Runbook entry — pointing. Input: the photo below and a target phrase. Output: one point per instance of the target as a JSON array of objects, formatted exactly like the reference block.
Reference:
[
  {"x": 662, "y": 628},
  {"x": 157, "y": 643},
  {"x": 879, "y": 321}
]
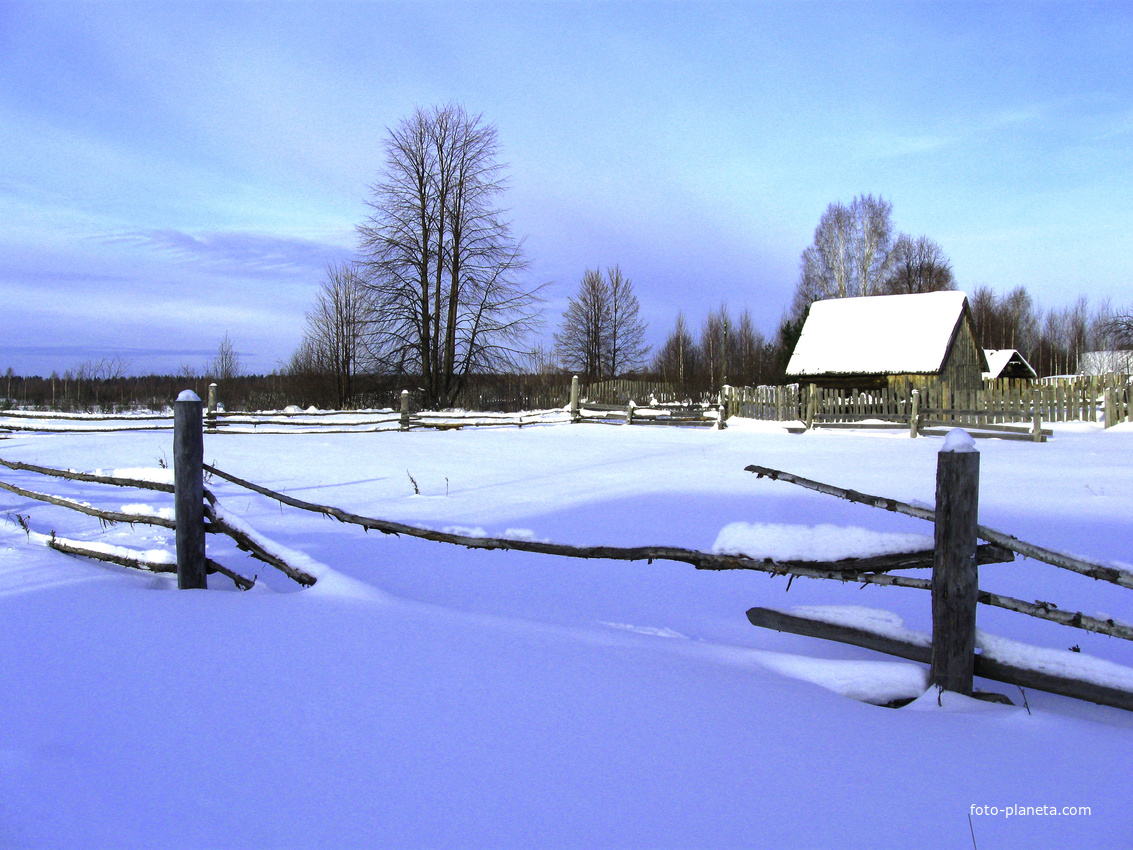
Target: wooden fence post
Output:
[
  {"x": 189, "y": 496},
  {"x": 914, "y": 413},
  {"x": 405, "y": 410},
  {"x": 212, "y": 407},
  {"x": 811, "y": 390},
  {"x": 629, "y": 412},
  {"x": 955, "y": 575},
  {"x": 1036, "y": 416},
  {"x": 575, "y": 415}
]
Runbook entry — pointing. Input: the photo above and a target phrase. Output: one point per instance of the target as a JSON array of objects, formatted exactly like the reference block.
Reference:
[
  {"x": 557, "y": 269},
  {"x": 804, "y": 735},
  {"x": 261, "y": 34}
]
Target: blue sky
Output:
[{"x": 175, "y": 172}]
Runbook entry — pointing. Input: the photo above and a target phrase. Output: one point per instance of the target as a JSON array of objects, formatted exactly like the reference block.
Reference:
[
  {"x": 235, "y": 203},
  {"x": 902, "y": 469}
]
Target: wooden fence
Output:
[
  {"x": 953, "y": 558},
  {"x": 1107, "y": 398}
]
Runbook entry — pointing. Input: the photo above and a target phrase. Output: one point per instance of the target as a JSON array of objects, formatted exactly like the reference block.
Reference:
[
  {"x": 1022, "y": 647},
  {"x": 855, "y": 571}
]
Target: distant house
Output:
[
  {"x": 1006, "y": 363},
  {"x": 1105, "y": 363},
  {"x": 889, "y": 341}
]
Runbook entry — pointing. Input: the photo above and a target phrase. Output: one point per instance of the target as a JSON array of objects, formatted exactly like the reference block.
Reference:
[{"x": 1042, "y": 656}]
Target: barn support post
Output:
[
  {"x": 405, "y": 410},
  {"x": 914, "y": 412},
  {"x": 955, "y": 574},
  {"x": 188, "y": 494},
  {"x": 575, "y": 415}
]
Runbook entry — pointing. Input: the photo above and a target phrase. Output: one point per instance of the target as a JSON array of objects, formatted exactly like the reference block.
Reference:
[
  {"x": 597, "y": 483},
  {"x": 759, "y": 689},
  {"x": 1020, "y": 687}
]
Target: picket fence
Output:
[{"x": 1107, "y": 398}]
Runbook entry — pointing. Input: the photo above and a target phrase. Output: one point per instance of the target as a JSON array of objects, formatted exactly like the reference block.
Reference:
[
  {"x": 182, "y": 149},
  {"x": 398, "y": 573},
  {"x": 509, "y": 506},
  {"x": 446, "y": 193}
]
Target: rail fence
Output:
[{"x": 950, "y": 650}]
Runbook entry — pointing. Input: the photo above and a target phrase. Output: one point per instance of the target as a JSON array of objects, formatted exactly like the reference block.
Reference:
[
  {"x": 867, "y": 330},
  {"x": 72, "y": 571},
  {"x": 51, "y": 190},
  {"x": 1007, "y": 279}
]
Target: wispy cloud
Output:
[{"x": 246, "y": 254}]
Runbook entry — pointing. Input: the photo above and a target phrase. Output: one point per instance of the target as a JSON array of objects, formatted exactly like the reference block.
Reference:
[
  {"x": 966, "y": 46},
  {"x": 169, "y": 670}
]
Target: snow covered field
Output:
[{"x": 423, "y": 695}]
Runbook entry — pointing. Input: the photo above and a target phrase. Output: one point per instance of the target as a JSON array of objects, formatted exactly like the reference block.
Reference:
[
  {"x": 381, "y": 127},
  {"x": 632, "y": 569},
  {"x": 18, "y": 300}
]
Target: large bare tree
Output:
[{"x": 443, "y": 270}]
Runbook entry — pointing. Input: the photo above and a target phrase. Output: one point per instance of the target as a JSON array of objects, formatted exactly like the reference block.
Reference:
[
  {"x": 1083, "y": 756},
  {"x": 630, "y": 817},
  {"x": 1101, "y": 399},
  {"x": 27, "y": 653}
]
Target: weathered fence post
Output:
[
  {"x": 955, "y": 575},
  {"x": 405, "y": 410},
  {"x": 211, "y": 417},
  {"x": 810, "y": 399},
  {"x": 629, "y": 412},
  {"x": 914, "y": 413},
  {"x": 575, "y": 415},
  {"x": 1036, "y": 418},
  {"x": 189, "y": 497}
]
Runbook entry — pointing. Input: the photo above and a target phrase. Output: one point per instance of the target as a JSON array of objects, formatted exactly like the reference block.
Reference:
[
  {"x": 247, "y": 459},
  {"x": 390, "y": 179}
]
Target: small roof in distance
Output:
[
  {"x": 998, "y": 358},
  {"x": 878, "y": 335}
]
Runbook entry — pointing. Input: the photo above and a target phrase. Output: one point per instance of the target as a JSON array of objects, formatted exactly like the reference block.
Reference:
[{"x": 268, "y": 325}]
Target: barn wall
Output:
[{"x": 962, "y": 367}]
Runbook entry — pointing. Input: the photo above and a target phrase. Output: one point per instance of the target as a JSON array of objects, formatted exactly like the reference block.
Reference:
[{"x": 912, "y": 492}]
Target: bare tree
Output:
[
  {"x": 715, "y": 348},
  {"x": 583, "y": 341},
  {"x": 226, "y": 365},
  {"x": 678, "y": 359},
  {"x": 1119, "y": 329},
  {"x": 748, "y": 353},
  {"x": 626, "y": 349},
  {"x": 873, "y": 241},
  {"x": 439, "y": 260},
  {"x": 334, "y": 342},
  {"x": 918, "y": 265},
  {"x": 851, "y": 253}
]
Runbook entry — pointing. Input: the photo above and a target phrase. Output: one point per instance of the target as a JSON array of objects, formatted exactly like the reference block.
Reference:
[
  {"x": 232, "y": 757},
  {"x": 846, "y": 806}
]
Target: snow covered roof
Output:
[
  {"x": 998, "y": 358},
  {"x": 881, "y": 334}
]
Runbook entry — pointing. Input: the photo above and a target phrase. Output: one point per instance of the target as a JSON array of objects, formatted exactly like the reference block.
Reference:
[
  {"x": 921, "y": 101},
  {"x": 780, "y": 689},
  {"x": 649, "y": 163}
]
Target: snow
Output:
[
  {"x": 423, "y": 695},
  {"x": 822, "y": 542},
  {"x": 188, "y": 395},
  {"x": 958, "y": 440},
  {"x": 879, "y": 334}
]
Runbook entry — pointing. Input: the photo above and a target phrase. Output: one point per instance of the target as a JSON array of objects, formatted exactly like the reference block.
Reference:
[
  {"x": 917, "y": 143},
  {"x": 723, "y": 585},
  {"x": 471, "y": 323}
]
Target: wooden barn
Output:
[{"x": 896, "y": 341}]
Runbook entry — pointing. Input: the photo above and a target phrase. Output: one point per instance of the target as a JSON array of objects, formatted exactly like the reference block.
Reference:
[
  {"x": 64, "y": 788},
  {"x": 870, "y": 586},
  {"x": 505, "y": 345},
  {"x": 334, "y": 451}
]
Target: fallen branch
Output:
[
  {"x": 32, "y": 428},
  {"x": 88, "y": 476},
  {"x": 1048, "y": 556},
  {"x": 91, "y": 417},
  {"x": 985, "y": 667},
  {"x": 247, "y": 543},
  {"x": 105, "y": 516},
  {"x": 71, "y": 548},
  {"x": 849, "y": 569},
  {"x": 1047, "y": 611}
]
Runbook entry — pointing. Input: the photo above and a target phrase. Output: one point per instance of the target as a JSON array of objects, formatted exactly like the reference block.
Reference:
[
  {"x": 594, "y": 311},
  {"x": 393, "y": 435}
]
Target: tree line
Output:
[{"x": 438, "y": 299}]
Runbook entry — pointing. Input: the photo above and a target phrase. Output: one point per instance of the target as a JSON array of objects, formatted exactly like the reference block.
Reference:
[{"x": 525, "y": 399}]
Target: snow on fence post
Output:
[
  {"x": 405, "y": 410},
  {"x": 629, "y": 412},
  {"x": 188, "y": 495},
  {"x": 914, "y": 413},
  {"x": 575, "y": 416},
  {"x": 212, "y": 407},
  {"x": 955, "y": 574}
]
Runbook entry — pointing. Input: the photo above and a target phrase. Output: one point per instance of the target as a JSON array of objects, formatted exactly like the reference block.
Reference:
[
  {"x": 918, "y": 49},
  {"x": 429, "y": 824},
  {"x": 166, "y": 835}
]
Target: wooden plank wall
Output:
[{"x": 1068, "y": 399}]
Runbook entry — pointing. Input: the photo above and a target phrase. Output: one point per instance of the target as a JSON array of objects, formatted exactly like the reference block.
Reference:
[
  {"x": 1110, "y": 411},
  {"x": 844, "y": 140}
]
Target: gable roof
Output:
[
  {"x": 999, "y": 358},
  {"x": 879, "y": 334}
]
